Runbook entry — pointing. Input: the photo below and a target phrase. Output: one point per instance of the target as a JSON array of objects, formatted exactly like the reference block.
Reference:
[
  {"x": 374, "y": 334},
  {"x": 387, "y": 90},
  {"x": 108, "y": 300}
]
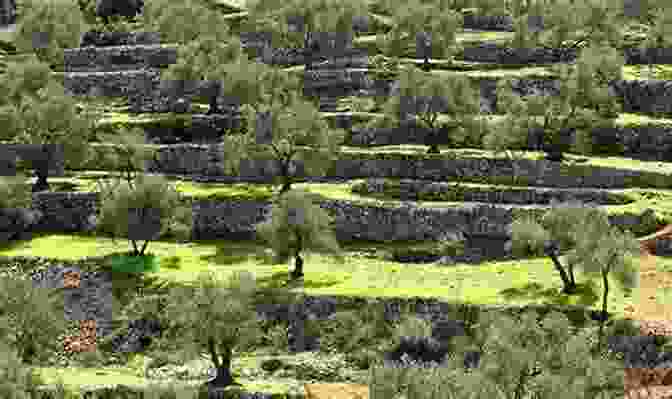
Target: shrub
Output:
[{"x": 47, "y": 28}]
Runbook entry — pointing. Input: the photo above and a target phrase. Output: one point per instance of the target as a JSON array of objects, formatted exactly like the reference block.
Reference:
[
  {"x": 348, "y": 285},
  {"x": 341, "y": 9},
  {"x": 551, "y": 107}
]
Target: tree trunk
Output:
[
  {"x": 286, "y": 186},
  {"x": 298, "y": 261},
  {"x": 41, "y": 184},
  {"x": 569, "y": 287},
  {"x": 284, "y": 170},
  {"x": 223, "y": 377},
  {"x": 214, "y": 108},
  {"x": 425, "y": 65}
]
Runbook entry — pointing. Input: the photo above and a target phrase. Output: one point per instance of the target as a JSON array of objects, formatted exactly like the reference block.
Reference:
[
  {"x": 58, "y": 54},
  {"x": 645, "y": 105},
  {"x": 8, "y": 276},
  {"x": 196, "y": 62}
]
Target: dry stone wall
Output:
[
  {"x": 493, "y": 52},
  {"x": 102, "y": 39},
  {"x": 205, "y": 160},
  {"x": 126, "y": 57},
  {"x": 235, "y": 219},
  {"x": 411, "y": 190}
]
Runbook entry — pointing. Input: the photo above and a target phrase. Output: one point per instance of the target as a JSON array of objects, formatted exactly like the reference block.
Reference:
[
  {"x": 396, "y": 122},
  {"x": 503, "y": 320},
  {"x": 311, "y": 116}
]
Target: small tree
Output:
[
  {"x": 296, "y": 225},
  {"x": 145, "y": 210},
  {"x": 547, "y": 122},
  {"x": 213, "y": 316},
  {"x": 425, "y": 97},
  {"x": 568, "y": 24},
  {"x": 168, "y": 18},
  {"x": 520, "y": 357},
  {"x": 310, "y": 17},
  {"x": 432, "y": 29},
  {"x": 43, "y": 115},
  {"x": 281, "y": 134},
  {"x": 603, "y": 250},
  {"x": 200, "y": 59},
  {"x": 33, "y": 333},
  {"x": 130, "y": 153},
  {"x": 47, "y": 28},
  {"x": 552, "y": 236}
]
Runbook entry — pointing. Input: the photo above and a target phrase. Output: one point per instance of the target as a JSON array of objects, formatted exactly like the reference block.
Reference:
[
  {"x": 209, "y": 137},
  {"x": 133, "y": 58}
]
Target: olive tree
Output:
[
  {"x": 46, "y": 28},
  {"x": 143, "y": 211},
  {"x": 41, "y": 116},
  {"x": 35, "y": 333},
  {"x": 558, "y": 234},
  {"x": 211, "y": 316},
  {"x": 548, "y": 122},
  {"x": 203, "y": 59},
  {"x": 432, "y": 29},
  {"x": 297, "y": 224},
  {"x": 308, "y": 17},
  {"x": 426, "y": 97},
  {"x": 521, "y": 357},
  {"x": 285, "y": 134}
]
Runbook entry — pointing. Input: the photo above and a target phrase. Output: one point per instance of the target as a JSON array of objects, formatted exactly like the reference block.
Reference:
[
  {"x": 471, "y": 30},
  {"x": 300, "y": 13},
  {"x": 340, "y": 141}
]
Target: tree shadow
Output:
[
  {"x": 232, "y": 253},
  {"x": 586, "y": 294},
  {"x": 282, "y": 280}
]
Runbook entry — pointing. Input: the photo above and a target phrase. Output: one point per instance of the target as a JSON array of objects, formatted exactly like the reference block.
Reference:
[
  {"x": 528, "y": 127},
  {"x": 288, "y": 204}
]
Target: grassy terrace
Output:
[{"x": 367, "y": 270}]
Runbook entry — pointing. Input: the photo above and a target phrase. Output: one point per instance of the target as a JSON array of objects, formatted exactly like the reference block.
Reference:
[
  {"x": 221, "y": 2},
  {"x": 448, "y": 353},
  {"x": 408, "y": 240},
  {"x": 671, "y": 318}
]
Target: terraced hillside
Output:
[{"x": 393, "y": 221}]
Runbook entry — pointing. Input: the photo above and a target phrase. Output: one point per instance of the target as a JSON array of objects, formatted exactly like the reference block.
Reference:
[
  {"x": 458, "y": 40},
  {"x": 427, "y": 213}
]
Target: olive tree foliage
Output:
[
  {"x": 296, "y": 225},
  {"x": 566, "y": 23},
  {"x": 180, "y": 22},
  {"x": 307, "y": 17},
  {"x": 425, "y": 97},
  {"x": 127, "y": 152},
  {"x": 427, "y": 28},
  {"x": 35, "y": 333},
  {"x": 143, "y": 211},
  {"x": 212, "y": 316},
  {"x": 40, "y": 112},
  {"x": 17, "y": 380},
  {"x": 547, "y": 122},
  {"x": 292, "y": 135},
  {"x": 257, "y": 85},
  {"x": 586, "y": 240},
  {"x": 203, "y": 59},
  {"x": 47, "y": 27},
  {"x": 522, "y": 357}
]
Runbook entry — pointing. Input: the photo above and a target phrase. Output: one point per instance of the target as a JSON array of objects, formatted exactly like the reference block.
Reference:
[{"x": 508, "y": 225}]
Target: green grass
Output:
[{"x": 485, "y": 284}]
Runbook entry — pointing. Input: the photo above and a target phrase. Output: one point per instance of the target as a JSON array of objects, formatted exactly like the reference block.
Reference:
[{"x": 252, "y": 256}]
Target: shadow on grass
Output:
[
  {"x": 281, "y": 280},
  {"x": 586, "y": 294},
  {"x": 231, "y": 253}
]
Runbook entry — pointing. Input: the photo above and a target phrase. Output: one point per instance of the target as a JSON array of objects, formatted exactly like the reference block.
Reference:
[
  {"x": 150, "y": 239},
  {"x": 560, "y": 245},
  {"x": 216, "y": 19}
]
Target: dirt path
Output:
[{"x": 655, "y": 319}]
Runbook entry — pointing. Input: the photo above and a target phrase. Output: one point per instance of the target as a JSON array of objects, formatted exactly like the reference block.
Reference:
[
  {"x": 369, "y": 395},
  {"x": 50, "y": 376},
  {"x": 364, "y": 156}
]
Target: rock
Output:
[
  {"x": 445, "y": 329},
  {"x": 139, "y": 336},
  {"x": 181, "y": 106},
  {"x": 417, "y": 349},
  {"x": 125, "y": 8}
]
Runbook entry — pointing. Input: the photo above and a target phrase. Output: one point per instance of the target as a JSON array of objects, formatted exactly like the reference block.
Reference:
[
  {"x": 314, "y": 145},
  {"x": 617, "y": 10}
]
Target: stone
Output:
[
  {"x": 445, "y": 329},
  {"x": 181, "y": 106},
  {"x": 17, "y": 223},
  {"x": 417, "y": 349},
  {"x": 7, "y": 12},
  {"x": 139, "y": 336},
  {"x": 125, "y": 8}
]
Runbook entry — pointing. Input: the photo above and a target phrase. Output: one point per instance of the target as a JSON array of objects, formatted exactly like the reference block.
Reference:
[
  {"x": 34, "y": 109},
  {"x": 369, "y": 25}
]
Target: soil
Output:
[{"x": 654, "y": 318}]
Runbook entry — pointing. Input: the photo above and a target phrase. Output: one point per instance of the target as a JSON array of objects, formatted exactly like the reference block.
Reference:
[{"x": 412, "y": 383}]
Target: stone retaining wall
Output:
[
  {"x": 205, "y": 160},
  {"x": 496, "y": 53},
  {"x": 134, "y": 57},
  {"x": 72, "y": 212},
  {"x": 411, "y": 190},
  {"x": 143, "y": 89}
]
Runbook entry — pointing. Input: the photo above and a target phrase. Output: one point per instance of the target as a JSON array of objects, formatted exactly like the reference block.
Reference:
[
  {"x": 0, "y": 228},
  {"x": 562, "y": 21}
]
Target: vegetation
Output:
[{"x": 522, "y": 357}]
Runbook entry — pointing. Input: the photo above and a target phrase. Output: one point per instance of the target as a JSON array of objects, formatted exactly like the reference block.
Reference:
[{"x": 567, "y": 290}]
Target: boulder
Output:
[{"x": 125, "y": 8}]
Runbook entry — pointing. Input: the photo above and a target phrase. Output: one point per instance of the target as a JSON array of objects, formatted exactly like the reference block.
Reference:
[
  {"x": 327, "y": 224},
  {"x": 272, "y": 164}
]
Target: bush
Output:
[{"x": 48, "y": 28}]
